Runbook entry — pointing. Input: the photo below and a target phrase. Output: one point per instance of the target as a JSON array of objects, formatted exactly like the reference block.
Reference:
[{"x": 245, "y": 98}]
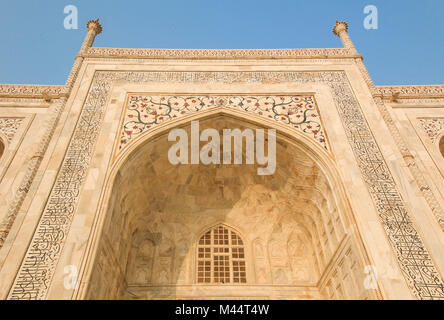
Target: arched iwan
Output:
[{"x": 299, "y": 238}]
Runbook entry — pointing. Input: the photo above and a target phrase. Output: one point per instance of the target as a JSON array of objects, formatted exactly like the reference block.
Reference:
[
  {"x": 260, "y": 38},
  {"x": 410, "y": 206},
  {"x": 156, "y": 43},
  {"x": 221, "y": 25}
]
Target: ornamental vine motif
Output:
[
  {"x": 144, "y": 112},
  {"x": 9, "y": 126},
  {"x": 432, "y": 127},
  {"x": 38, "y": 266}
]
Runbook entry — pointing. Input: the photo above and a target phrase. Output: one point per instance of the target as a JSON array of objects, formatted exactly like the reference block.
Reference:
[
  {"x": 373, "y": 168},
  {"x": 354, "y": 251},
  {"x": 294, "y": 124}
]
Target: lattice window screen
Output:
[{"x": 221, "y": 257}]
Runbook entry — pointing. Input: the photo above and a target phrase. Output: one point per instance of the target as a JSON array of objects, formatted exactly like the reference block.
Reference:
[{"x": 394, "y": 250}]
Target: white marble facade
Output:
[{"x": 91, "y": 208}]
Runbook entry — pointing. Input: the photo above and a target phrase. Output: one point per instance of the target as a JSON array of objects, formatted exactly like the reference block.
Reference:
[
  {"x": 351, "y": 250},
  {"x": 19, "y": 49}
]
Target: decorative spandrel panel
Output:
[
  {"x": 433, "y": 127},
  {"x": 144, "y": 112},
  {"x": 9, "y": 127}
]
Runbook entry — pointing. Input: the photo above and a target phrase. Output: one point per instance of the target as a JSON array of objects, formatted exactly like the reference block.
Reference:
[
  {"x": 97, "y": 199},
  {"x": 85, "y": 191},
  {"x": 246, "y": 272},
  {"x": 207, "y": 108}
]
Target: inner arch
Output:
[{"x": 294, "y": 234}]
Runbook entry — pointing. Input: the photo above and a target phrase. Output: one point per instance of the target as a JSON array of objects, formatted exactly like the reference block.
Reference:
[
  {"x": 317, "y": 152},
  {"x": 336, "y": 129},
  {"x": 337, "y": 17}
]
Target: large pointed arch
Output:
[{"x": 286, "y": 137}]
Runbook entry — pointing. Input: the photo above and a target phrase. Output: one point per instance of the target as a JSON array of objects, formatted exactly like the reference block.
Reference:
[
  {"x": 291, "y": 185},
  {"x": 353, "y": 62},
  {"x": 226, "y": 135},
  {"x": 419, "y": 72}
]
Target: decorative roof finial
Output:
[
  {"x": 339, "y": 27},
  {"x": 94, "y": 24},
  {"x": 341, "y": 30}
]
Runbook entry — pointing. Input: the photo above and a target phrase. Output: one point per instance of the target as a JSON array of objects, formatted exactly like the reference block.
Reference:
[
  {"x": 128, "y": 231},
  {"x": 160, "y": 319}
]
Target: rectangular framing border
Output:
[{"x": 38, "y": 267}]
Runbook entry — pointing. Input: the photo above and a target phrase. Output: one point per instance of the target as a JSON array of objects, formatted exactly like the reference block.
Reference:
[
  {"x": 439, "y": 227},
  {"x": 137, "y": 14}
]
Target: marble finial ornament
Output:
[
  {"x": 341, "y": 30},
  {"x": 339, "y": 27},
  {"x": 94, "y": 24}
]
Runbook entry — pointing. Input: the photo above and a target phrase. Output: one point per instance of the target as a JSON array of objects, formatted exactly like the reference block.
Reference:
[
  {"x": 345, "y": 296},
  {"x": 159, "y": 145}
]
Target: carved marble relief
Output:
[
  {"x": 140, "y": 270},
  {"x": 261, "y": 265},
  {"x": 9, "y": 127},
  {"x": 433, "y": 127},
  {"x": 210, "y": 53}
]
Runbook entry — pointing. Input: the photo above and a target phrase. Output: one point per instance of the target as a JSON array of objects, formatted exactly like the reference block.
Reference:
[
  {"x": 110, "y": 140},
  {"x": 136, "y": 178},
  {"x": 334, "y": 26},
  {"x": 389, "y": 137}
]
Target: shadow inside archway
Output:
[{"x": 288, "y": 222}]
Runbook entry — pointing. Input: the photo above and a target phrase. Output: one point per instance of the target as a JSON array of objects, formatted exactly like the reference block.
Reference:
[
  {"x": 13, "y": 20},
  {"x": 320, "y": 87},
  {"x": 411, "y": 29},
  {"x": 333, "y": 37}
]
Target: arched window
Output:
[{"x": 221, "y": 257}]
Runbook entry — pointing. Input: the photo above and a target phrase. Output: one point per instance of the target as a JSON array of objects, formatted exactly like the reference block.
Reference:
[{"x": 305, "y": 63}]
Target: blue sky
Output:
[{"x": 407, "y": 48}]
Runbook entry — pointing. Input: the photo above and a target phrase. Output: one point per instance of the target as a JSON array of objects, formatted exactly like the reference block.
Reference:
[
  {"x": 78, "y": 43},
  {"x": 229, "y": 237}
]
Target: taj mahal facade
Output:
[{"x": 91, "y": 207}]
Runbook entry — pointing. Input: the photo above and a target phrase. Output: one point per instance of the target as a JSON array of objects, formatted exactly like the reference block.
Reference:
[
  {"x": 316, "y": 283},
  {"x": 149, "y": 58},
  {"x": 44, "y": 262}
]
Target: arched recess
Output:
[
  {"x": 441, "y": 145},
  {"x": 2, "y": 148},
  {"x": 300, "y": 238}
]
